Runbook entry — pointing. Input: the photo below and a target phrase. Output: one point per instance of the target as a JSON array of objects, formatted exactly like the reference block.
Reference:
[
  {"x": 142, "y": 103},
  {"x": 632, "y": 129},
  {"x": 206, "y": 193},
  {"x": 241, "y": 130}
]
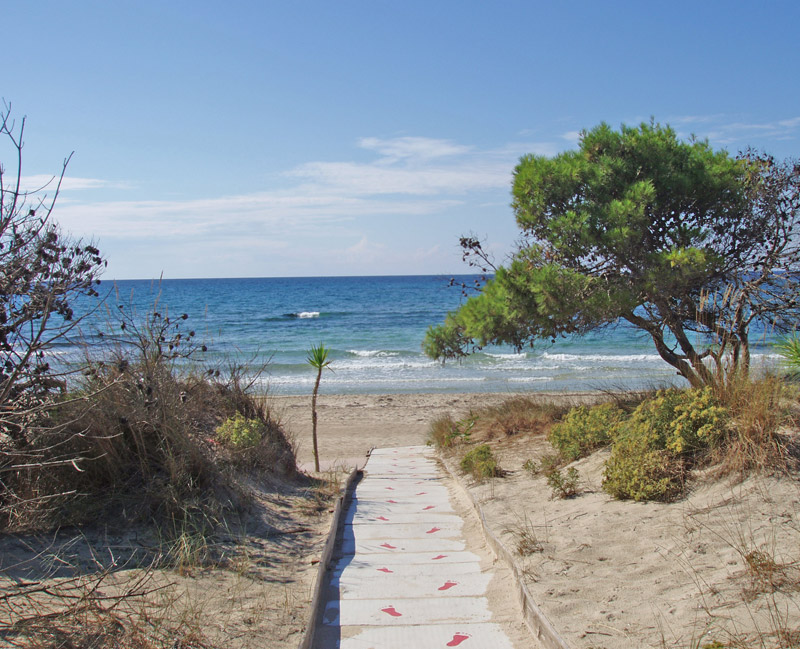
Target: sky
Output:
[{"x": 281, "y": 138}]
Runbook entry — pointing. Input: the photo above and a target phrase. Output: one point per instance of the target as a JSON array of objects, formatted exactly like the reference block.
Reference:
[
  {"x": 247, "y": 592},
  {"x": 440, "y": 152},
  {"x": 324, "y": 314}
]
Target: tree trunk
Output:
[{"x": 314, "y": 420}]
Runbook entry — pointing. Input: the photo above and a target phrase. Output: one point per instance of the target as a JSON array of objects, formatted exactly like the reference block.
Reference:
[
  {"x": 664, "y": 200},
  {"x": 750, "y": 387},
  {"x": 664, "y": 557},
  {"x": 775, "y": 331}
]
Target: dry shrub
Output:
[
  {"x": 516, "y": 415},
  {"x": 445, "y": 432},
  {"x": 760, "y": 412},
  {"x": 137, "y": 438},
  {"x": 105, "y": 610}
]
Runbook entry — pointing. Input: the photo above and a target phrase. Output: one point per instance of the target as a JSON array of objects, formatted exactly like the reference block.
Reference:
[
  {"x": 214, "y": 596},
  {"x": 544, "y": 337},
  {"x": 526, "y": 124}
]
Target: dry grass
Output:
[
  {"x": 762, "y": 415},
  {"x": 137, "y": 442},
  {"x": 517, "y": 415},
  {"x": 526, "y": 537},
  {"x": 764, "y": 580},
  {"x": 105, "y": 609}
]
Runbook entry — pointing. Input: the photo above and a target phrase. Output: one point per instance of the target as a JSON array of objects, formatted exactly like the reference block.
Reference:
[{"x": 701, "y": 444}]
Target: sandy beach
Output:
[
  {"x": 721, "y": 565},
  {"x": 608, "y": 574},
  {"x": 350, "y": 425}
]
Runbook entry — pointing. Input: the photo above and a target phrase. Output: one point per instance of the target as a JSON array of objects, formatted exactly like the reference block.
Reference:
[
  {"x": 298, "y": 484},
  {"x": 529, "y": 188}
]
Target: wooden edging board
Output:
[
  {"x": 325, "y": 559},
  {"x": 535, "y": 618}
]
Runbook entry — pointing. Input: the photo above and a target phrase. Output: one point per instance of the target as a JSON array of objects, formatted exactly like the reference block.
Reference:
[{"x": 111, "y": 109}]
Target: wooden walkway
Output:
[{"x": 402, "y": 578}]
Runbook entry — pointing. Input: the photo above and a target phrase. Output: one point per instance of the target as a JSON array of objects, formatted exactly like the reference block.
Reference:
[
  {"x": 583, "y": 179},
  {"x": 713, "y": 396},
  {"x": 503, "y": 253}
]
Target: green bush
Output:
[
  {"x": 480, "y": 462},
  {"x": 564, "y": 485},
  {"x": 584, "y": 429},
  {"x": 640, "y": 468},
  {"x": 241, "y": 432},
  {"x": 698, "y": 422}
]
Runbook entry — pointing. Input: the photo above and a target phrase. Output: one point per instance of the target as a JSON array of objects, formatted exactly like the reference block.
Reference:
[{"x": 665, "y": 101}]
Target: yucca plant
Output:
[
  {"x": 318, "y": 359},
  {"x": 789, "y": 349}
]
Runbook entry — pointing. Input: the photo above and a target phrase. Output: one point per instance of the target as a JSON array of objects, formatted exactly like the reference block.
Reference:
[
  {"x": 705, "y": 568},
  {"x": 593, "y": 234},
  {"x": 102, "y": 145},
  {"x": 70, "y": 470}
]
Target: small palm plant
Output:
[
  {"x": 318, "y": 359},
  {"x": 789, "y": 349}
]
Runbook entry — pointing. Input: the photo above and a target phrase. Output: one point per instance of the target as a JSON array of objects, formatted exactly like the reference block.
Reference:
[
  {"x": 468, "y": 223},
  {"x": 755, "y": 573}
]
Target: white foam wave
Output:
[
  {"x": 604, "y": 358},
  {"x": 372, "y": 353},
  {"x": 308, "y": 314},
  {"x": 508, "y": 357}
]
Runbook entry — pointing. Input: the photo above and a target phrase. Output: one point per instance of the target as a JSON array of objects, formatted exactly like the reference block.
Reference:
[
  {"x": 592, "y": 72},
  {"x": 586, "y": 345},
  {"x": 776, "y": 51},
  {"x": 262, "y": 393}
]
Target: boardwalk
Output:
[{"x": 403, "y": 577}]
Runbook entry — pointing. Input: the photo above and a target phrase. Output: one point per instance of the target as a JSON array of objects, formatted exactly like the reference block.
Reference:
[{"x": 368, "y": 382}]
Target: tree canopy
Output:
[{"x": 691, "y": 245}]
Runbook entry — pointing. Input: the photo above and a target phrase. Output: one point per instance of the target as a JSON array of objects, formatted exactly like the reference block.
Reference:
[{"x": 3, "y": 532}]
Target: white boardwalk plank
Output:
[
  {"x": 399, "y": 611},
  {"x": 412, "y": 558},
  {"x": 450, "y": 529},
  {"x": 381, "y": 584}
]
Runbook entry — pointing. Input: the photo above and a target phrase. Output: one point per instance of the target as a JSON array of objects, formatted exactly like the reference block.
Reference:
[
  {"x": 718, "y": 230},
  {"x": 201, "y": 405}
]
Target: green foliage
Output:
[
  {"x": 671, "y": 236},
  {"x": 480, "y": 462},
  {"x": 641, "y": 469},
  {"x": 584, "y": 429},
  {"x": 653, "y": 445},
  {"x": 318, "y": 359},
  {"x": 698, "y": 422},
  {"x": 789, "y": 350},
  {"x": 563, "y": 485},
  {"x": 241, "y": 432}
]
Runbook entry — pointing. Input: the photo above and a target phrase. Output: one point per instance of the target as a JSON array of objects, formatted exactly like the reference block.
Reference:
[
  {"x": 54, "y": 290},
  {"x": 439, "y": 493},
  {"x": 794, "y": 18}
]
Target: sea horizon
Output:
[{"x": 374, "y": 327}]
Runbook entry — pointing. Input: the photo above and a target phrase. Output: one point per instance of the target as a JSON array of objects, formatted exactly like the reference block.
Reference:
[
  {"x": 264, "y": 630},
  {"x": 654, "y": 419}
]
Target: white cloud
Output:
[
  {"x": 356, "y": 179},
  {"x": 320, "y": 209},
  {"x": 421, "y": 148},
  {"x": 725, "y": 130},
  {"x": 48, "y": 183},
  {"x": 409, "y": 176}
]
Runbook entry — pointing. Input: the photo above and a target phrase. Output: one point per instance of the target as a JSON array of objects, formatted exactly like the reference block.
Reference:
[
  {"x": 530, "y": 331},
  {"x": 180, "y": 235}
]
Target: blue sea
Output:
[{"x": 374, "y": 327}]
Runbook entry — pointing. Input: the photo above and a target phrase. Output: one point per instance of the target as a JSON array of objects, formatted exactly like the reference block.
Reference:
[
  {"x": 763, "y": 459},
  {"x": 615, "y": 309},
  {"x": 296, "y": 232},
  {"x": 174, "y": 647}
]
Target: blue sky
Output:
[{"x": 360, "y": 137}]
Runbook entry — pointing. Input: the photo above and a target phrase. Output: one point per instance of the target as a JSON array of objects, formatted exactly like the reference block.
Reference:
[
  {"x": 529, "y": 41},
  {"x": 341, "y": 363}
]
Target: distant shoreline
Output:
[{"x": 351, "y": 424}]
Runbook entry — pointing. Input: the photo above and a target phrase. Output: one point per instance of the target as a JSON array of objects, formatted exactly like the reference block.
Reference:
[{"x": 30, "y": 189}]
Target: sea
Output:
[{"x": 374, "y": 328}]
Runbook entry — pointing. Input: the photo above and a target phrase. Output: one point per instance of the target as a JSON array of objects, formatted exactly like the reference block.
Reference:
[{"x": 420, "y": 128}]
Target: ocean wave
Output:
[
  {"x": 383, "y": 363},
  {"x": 604, "y": 358},
  {"x": 302, "y": 314},
  {"x": 372, "y": 353},
  {"x": 528, "y": 379},
  {"x": 521, "y": 356}
]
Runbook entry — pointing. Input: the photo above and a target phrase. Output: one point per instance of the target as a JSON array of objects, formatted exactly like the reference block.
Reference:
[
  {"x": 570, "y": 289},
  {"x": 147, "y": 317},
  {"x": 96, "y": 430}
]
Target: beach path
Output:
[{"x": 403, "y": 574}]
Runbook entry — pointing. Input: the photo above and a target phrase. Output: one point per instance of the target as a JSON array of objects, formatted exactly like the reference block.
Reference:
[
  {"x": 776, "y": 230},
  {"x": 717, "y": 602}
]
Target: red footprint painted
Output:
[
  {"x": 441, "y": 556},
  {"x": 386, "y": 570},
  {"x": 422, "y": 493},
  {"x": 448, "y": 585},
  {"x": 390, "y": 610},
  {"x": 382, "y": 518},
  {"x": 388, "y": 546},
  {"x": 433, "y": 530},
  {"x": 458, "y": 638},
  {"x": 393, "y": 502},
  {"x": 428, "y": 507}
]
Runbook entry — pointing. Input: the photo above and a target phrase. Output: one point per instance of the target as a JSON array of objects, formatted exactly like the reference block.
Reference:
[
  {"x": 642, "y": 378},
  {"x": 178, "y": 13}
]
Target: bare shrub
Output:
[{"x": 138, "y": 436}]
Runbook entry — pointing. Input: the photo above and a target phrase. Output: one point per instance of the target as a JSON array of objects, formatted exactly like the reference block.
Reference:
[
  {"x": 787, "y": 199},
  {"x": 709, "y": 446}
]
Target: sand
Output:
[
  {"x": 350, "y": 425},
  {"x": 607, "y": 574}
]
